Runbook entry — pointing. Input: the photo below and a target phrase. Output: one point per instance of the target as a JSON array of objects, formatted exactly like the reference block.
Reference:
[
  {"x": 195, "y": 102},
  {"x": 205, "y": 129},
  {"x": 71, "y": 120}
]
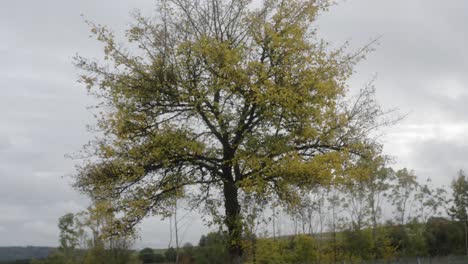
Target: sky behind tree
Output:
[{"x": 420, "y": 64}]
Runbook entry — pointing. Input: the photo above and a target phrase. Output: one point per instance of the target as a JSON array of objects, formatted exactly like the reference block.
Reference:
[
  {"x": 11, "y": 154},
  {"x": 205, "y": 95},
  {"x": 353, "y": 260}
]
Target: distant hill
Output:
[{"x": 21, "y": 253}]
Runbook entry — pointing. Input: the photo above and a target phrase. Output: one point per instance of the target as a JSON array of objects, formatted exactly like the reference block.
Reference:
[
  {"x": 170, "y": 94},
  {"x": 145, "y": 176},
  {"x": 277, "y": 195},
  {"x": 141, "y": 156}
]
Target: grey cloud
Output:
[
  {"x": 456, "y": 108},
  {"x": 441, "y": 160},
  {"x": 4, "y": 143},
  {"x": 422, "y": 43}
]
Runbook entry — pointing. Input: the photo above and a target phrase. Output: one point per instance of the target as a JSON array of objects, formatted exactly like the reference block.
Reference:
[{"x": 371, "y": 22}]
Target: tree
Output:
[
  {"x": 147, "y": 255},
  {"x": 431, "y": 201},
  {"x": 188, "y": 254},
  {"x": 444, "y": 237},
  {"x": 98, "y": 220},
  {"x": 69, "y": 235},
  {"x": 356, "y": 204},
  {"x": 171, "y": 254},
  {"x": 402, "y": 194},
  {"x": 304, "y": 249},
  {"x": 364, "y": 194},
  {"x": 335, "y": 207},
  {"x": 212, "y": 249},
  {"x": 226, "y": 99},
  {"x": 377, "y": 184},
  {"x": 460, "y": 203},
  {"x": 100, "y": 249},
  {"x": 357, "y": 244},
  {"x": 159, "y": 258},
  {"x": 272, "y": 251},
  {"x": 69, "y": 238}
]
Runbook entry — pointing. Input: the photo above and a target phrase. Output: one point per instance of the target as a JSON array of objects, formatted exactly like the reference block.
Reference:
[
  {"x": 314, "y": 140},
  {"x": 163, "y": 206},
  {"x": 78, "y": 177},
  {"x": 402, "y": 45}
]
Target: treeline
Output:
[
  {"x": 20, "y": 261},
  {"x": 339, "y": 223},
  {"x": 390, "y": 214},
  {"x": 437, "y": 237},
  {"x": 17, "y": 253}
]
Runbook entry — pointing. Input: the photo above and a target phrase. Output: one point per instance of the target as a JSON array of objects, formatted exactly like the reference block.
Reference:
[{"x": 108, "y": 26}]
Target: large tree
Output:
[{"x": 216, "y": 100}]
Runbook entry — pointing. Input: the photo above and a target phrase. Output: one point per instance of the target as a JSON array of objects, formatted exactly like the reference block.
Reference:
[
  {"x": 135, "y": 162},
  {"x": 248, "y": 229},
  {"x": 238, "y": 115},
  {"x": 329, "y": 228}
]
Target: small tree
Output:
[
  {"x": 69, "y": 237},
  {"x": 171, "y": 254},
  {"x": 431, "y": 201},
  {"x": 365, "y": 195},
  {"x": 444, "y": 237},
  {"x": 104, "y": 246},
  {"x": 460, "y": 203},
  {"x": 147, "y": 255},
  {"x": 159, "y": 258},
  {"x": 402, "y": 193},
  {"x": 212, "y": 249},
  {"x": 305, "y": 249}
]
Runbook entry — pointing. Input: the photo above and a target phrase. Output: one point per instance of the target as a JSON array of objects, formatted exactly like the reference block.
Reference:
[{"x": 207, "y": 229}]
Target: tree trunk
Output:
[
  {"x": 176, "y": 231},
  {"x": 274, "y": 223},
  {"x": 466, "y": 236},
  {"x": 233, "y": 222}
]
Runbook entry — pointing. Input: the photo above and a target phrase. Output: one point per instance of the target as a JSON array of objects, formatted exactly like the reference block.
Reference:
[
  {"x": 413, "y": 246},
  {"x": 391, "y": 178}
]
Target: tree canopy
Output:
[{"x": 218, "y": 100}]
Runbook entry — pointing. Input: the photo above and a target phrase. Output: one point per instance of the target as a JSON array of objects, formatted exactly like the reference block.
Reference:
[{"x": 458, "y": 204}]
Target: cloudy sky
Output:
[{"x": 421, "y": 65}]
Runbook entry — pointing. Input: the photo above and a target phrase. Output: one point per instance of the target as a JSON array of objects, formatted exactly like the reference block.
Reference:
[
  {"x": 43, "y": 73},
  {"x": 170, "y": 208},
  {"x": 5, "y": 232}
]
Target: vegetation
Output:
[
  {"x": 82, "y": 240},
  {"x": 460, "y": 203},
  {"x": 218, "y": 102},
  {"x": 354, "y": 235}
]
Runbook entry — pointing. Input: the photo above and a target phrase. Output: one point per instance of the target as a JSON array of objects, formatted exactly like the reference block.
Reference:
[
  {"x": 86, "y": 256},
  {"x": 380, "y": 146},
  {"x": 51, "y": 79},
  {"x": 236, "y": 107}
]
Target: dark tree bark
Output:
[{"x": 233, "y": 222}]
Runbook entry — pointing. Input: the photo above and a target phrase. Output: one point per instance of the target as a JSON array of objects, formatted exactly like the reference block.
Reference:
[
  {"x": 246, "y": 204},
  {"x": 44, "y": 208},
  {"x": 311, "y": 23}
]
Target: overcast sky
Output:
[{"x": 421, "y": 65}]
